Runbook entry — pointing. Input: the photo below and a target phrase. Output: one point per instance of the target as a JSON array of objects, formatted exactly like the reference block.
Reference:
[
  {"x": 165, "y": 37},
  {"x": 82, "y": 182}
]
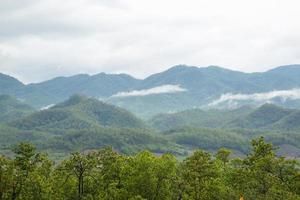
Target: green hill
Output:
[
  {"x": 197, "y": 118},
  {"x": 81, "y": 124},
  {"x": 262, "y": 117},
  {"x": 289, "y": 123},
  {"x": 265, "y": 117},
  {"x": 79, "y": 112}
]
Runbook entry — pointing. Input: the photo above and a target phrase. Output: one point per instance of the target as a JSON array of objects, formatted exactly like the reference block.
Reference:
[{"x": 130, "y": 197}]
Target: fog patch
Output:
[
  {"x": 267, "y": 97},
  {"x": 163, "y": 89},
  {"x": 47, "y": 107}
]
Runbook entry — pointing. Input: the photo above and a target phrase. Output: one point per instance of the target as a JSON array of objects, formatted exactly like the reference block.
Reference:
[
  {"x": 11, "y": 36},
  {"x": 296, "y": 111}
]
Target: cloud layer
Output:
[
  {"x": 40, "y": 39},
  {"x": 284, "y": 95},
  {"x": 156, "y": 90}
]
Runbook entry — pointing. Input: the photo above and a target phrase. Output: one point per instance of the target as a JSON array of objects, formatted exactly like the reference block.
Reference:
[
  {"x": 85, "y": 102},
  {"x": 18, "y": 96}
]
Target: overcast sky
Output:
[{"x": 41, "y": 39}]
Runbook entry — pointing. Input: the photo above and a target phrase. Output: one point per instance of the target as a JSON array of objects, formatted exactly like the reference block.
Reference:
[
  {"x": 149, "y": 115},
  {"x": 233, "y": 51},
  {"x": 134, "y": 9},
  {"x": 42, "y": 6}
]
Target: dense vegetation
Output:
[
  {"x": 106, "y": 174},
  {"x": 212, "y": 129},
  {"x": 143, "y": 159},
  {"x": 212, "y": 118},
  {"x": 84, "y": 124},
  {"x": 203, "y": 85},
  {"x": 265, "y": 117},
  {"x": 78, "y": 112},
  {"x": 58, "y": 145}
]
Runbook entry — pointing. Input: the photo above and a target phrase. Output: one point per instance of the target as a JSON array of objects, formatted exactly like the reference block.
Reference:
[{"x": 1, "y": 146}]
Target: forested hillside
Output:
[
  {"x": 12, "y": 109},
  {"x": 213, "y": 118},
  {"x": 266, "y": 117},
  {"x": 83, "y": 124},
  {"x": 79, "y": 112},
  {"x": 106, "y": 174},
  {"x": 199, "y": 87}
]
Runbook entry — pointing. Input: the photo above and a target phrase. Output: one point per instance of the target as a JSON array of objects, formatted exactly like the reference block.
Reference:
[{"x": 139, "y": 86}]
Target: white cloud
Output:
[
  {"x": 141, "y": 37},
  {"x": 232, "y": 99},
  {"x": 156, "y": 90},
  {"x": 47, "y": 107}
]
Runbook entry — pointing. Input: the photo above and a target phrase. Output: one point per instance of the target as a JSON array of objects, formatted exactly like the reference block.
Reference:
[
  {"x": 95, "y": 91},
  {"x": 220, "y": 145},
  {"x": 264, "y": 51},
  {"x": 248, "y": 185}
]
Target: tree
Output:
[
  {"x": 260, "y": 174},
  {"x": 78, "y": 166},
  {"x": 108, "y": 175},
  {"x": 201, "y": 177},
  {"x": 223, "y": 155},
  {"x": 30, "y": 175},
  {"x": 5, "y": 177}
]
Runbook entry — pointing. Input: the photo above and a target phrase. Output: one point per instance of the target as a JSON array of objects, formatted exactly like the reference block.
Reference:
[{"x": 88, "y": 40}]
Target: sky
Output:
[{"x": 42, "y": 39}]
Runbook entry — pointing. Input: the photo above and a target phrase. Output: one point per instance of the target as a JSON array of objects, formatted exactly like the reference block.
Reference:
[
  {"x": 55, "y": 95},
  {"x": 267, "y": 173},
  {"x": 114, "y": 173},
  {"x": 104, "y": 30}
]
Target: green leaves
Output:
[
  {"x": 107, "y": 175},
  {"x": 260, "y": 175}
]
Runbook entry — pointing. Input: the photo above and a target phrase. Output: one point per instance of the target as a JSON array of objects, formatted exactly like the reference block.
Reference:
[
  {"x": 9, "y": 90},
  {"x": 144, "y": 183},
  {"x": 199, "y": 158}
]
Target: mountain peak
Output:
[
  {"x": 9, "y": 84},
  {"x": 181, "y": 67},
  {"x": 286, "y": 68},
  {"x": 73, "y": 100},
  {"x": 78, "y": 97},
  {"x": 187, "y": 68}
]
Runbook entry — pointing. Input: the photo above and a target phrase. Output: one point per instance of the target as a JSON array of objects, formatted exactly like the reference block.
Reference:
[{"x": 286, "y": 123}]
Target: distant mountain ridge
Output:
[{"x": 202, "y": 85}]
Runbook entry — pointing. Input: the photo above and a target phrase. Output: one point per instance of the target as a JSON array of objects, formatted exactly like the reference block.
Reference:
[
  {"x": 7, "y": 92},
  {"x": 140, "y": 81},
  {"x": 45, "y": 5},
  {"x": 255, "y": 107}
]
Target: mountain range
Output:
[
  {"x": 85, "y": 123},
  {"x": 178, "y": 88},
  {"x": 178, "y": 110}
]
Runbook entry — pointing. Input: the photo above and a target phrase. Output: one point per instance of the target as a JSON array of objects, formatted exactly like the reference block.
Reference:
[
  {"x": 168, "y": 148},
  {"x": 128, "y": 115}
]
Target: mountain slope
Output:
[
  {"x": 263, "y": 117},
  {"x": 79, "y": 112},
  {"x": 202, "y": 87},
  {"x": 197, "y": 118},
  {"x": 12, "y": 109},
  {"x": 9, "y": 85},
  {"x": 100, "y": 85},
  {"x": 210, "y": 79},
  {"x": 288, "y": 123},
  {"x": 205, "y": 85}
]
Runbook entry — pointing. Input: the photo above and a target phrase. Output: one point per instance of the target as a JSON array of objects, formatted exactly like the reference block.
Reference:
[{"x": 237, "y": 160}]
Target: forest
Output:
[{"x": 106, "y": 174}]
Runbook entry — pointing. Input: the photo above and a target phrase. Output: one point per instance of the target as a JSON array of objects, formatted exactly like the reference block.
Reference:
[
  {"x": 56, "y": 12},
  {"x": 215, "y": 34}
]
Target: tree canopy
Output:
[{"x": 109, "y": 175}]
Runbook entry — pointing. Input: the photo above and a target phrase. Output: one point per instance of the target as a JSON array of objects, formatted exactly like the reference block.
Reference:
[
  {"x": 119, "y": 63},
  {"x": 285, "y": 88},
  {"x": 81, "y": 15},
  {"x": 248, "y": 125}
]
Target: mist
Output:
[
  {"x": 155, "y": 90},
  {"x": 266, "y": 97}
]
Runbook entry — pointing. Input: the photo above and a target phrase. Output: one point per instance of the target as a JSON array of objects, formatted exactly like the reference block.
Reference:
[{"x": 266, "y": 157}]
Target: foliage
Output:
[{"x": 107, "y": 175}]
